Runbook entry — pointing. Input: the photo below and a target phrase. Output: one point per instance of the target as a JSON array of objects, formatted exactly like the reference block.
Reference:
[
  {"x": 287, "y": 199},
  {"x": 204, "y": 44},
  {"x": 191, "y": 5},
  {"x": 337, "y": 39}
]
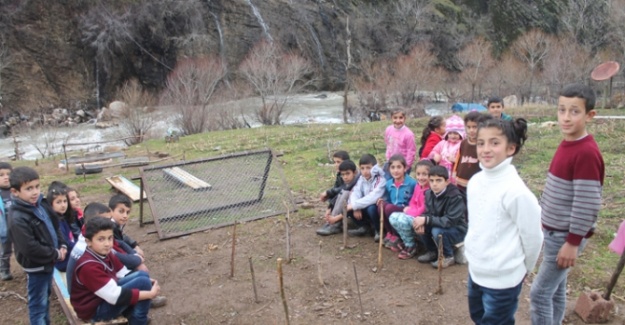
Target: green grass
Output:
[{"x": 307, "y": 168}]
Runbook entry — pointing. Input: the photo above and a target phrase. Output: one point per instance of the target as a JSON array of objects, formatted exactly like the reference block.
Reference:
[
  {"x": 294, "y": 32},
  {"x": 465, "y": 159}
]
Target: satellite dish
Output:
[{"x": 605, "y": 71}]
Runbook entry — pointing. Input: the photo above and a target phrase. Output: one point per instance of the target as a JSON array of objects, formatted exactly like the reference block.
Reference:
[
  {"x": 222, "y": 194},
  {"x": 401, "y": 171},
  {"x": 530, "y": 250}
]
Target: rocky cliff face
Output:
[{"x": 70, "y": 53}]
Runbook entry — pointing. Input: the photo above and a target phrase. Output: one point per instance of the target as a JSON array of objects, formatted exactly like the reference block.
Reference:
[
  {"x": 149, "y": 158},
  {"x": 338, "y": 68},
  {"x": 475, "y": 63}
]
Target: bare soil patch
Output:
[{"x": 194, "y": 273}]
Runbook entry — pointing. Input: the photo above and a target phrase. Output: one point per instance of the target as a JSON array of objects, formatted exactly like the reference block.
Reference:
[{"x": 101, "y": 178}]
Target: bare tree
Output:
[
  {"x": 5, "y": 61},
  {"x": 567, "y": 62},
  {"x": 275, "y": 76},
  {"x": 411, "y": 74},
  {"x": 191, "y": 88},
  {"x": 372, "y": 88},
  {"x": 507, "y": 77},
  {"x": 532, "y": 48},
  {"x": 475, "y": 60},
  {"x": 137, "y": 119}
]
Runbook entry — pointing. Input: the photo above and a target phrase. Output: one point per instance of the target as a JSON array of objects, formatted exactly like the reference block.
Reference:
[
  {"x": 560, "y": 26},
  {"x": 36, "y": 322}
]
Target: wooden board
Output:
[
  {"x": 187, "y": 179},
  {"x": 134, "y": 162},
  {"x": 96, "y": 157},
  {"x": 60, "y": 289},
  {"x": 125, "y": 186}
]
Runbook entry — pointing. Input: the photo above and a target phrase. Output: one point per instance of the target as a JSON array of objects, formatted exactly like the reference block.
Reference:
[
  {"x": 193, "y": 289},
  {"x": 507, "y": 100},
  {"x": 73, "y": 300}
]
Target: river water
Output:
[{"x": 322, "y": 108}]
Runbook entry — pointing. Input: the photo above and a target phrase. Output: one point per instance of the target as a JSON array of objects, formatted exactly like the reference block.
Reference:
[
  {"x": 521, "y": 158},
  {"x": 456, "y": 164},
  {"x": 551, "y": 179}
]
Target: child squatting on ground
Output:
[
  {"x": 445, "y": 214},
  {"x": 504, "y": 237},
  {"x": 368, "y": 189},
  {"x": 399, "y": 140},
  {"x": 334, "y": 222},
  {"x": 6, "y": 246},
  {"x": 37, "y": 240},
  {"x": 570, "y": 203},
  {"x": 102, "y": 287},
  {"x": 396, "y": 197},
  {"x": 330, "y": 195},
  {"x": 403, "y": 222}
]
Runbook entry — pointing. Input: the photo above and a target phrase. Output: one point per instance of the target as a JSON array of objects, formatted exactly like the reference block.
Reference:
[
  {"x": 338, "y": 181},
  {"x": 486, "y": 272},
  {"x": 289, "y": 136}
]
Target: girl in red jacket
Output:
[{"x": 432, "y": 134}]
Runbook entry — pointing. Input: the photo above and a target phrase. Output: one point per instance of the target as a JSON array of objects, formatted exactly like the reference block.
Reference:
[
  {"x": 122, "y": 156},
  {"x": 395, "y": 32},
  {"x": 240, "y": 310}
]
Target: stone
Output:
[
  {"x": 510, "y": 101},
  {"x": 81, "y": 113},
  {"x": 117, "y": 109},
  {"x": 593, "y": 309}
]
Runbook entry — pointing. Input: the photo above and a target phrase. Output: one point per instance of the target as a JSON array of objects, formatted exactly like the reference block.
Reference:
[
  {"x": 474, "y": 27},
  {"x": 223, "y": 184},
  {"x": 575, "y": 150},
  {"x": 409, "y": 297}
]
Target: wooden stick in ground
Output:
[
  {"x": 344, "y": 228},
  {"x": 319, "y": 277},
  {"x": 286, "y": 307},
  {"x": 440, "y": 264},
  {"x": 358, "y": 288},
  {"x": 381, "y": 237},
  {"x": 253, "y": 280},
  {"x": 615, "y": 276},
  {"x": 287, "y": 225},
  {"x": 234, "y": 243}
]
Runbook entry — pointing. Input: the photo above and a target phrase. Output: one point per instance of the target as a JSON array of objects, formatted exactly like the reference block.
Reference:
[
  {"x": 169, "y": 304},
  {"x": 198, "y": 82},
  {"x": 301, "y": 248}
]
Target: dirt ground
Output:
[{"x": 194, "y": 273}]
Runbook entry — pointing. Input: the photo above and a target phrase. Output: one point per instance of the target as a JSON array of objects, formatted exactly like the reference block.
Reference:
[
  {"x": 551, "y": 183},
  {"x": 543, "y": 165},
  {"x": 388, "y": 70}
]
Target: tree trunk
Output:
[{"x": 347, "y": 65}]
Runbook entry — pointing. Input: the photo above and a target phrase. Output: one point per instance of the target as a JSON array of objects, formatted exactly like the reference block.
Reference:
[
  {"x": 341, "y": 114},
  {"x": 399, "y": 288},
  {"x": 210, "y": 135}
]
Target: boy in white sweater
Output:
[
  {"x": 362, "y": 200},
  {"x": 504, "y": 237}
]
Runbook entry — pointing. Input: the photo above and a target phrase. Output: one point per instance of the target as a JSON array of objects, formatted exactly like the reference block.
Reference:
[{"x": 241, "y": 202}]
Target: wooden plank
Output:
[
  {"x": 96, "y": 157},
  {"x": 60, "y": 289},
  {"x": 125, "y": 186},
  {"x": 185, "y": 178},
  {"x": 134, "y": 162}
]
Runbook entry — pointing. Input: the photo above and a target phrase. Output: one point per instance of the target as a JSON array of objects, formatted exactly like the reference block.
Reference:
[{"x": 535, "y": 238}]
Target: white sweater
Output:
[{"x": 504, "y": 237}]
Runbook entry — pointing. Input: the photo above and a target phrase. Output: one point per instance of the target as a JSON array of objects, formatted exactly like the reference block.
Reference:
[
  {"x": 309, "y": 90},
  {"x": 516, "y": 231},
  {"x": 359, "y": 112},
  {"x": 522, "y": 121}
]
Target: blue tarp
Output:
[{"x": 467, "y": 107}]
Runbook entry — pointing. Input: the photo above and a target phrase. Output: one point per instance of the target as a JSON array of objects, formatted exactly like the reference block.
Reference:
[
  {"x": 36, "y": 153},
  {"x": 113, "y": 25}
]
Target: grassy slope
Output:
[{"x": 307, "y": 150}]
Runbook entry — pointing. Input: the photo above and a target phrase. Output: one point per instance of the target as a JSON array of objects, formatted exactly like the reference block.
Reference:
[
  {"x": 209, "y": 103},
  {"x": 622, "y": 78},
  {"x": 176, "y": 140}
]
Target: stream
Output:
[{"x": 321, "y": 108}]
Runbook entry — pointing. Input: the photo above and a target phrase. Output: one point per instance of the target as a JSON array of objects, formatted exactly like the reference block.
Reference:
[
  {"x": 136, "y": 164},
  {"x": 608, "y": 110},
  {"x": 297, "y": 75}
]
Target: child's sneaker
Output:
[
  {"x": 408, "y": 253},
  {"x": 427, "y": 257},
  {"x": 447, "y": 261},
  {"x": 392, "y": 241},
  {"x": 376, "y": 237},
  {"x": 398, "y": 247}
]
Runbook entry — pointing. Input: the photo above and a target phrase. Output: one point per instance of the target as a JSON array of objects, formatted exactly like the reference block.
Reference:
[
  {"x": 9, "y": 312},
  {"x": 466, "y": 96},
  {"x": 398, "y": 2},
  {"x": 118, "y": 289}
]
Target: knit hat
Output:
[{"x": 455, "y": 124}]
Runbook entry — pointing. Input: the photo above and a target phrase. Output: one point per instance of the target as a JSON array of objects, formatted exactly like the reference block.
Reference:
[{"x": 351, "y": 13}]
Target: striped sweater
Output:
[{"x": 572, "y": 195}]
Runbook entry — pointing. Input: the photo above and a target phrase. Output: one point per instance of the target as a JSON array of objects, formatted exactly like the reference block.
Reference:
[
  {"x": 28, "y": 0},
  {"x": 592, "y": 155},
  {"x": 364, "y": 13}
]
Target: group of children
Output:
[
  {"x": 106, "y": 274},
  {"x": 467, "y": 190}
]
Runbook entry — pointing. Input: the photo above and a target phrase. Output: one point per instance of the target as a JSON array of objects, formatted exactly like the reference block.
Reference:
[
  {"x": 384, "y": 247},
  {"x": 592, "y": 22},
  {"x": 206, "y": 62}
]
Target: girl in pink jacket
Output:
[
  {"x": 399, "y": 140},
  {"x": 444, "y": 153}
]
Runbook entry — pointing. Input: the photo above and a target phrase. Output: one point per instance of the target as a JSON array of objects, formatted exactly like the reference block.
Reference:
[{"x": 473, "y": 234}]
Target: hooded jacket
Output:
[
  {"x": 366, "y": 192},
  {"x": 445, "y": 210},
  {"x": 400, "y": 196},
  {"x": 33, "y": 243}
]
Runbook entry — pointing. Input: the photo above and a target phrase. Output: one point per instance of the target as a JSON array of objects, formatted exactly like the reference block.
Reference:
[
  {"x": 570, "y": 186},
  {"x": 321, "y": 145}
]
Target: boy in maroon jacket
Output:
[{"x": 102, "y": 288}]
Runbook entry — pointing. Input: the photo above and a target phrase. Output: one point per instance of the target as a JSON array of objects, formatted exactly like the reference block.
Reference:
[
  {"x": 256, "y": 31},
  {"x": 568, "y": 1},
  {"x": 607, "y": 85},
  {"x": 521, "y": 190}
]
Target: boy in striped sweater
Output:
[{"x": 570, "y": 203}]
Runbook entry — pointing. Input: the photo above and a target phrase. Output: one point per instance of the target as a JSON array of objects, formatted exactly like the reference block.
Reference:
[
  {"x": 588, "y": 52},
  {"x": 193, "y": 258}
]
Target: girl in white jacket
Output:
[{"x": 504, "y": 237}]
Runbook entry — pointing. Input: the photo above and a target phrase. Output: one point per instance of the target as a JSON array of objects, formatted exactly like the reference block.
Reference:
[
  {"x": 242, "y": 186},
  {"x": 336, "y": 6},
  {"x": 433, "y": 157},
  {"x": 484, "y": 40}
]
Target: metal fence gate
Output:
[{"x": 214, "y": 192}]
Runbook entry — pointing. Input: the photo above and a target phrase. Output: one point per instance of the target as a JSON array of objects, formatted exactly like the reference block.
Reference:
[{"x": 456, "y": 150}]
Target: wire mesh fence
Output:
[{"x": 214, "y": 192}]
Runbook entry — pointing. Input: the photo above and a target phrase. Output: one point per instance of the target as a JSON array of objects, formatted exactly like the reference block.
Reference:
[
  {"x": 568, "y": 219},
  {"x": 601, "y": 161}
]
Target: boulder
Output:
[
  {"x": 81, "y": 113},
  {"x": 510, "y": 101},
  {"x": 104, "y": 125},
  {"x": 117, "y": 109}
]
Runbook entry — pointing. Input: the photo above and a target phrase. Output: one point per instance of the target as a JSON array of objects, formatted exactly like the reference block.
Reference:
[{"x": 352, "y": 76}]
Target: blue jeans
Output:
[
  {"x": 6, "y": 249},
  {"x": 137, "y": 314},
  {"x": 372, "y": 215},
  {"x": 451, "y": 236},
  {"x": 548, "y": 293},
  {"x": 39, "y": 286},
  {"x": 493, "y": 306}
]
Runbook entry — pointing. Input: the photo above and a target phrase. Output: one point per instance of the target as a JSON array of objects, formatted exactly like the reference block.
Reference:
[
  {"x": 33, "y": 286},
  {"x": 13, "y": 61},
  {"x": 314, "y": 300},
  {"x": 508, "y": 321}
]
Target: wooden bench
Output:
[
  {"x": 187, "y": 179},
  {"x": 125, "y": 186},
  {"x": 60, "y": 289}
]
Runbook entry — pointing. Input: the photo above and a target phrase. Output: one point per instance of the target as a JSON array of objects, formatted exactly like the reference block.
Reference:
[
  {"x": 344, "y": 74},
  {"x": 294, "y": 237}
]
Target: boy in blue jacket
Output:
[
  {"x": 37, "y": 240},
  {"x": 6, "y": 246}
]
